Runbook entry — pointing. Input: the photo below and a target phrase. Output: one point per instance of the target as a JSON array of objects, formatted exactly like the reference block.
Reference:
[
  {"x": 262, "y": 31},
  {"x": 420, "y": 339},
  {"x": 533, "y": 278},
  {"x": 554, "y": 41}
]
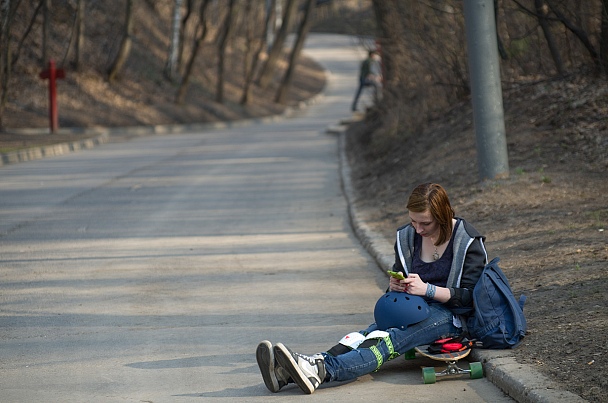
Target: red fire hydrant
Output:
[{"x": 52, "y": 74}]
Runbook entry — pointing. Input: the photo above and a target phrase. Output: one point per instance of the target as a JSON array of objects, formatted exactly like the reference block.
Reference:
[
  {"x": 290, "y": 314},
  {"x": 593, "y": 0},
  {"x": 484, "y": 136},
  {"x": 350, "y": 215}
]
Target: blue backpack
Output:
[{"x": 498, "y": 321}]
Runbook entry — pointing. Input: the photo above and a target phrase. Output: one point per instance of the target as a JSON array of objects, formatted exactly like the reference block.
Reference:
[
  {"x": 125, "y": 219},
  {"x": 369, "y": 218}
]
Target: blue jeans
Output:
[
  {"x": 362, "y": 361},
  {"x": 364, "y": 83}
]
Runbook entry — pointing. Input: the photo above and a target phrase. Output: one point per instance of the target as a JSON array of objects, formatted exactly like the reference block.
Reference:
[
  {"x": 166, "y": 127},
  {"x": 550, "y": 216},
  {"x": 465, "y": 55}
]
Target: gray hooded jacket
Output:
[{"x": 470, "y": 257}]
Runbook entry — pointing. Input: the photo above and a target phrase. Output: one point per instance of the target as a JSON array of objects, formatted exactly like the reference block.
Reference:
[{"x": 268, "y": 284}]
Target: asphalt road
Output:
[{"x": 148, "y": 270}]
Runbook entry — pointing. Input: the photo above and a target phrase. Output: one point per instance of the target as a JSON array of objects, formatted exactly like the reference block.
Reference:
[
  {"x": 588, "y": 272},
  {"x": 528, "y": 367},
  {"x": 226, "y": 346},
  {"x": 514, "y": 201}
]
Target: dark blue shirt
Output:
[{"x": 435, "y": 272}]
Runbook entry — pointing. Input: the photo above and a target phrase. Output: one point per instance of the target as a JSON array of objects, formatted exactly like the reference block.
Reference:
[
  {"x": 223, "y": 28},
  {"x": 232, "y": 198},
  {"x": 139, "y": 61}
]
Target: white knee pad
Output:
[
  {"x": 377, "y": 334},
  {"x": 352, "y": 340}
]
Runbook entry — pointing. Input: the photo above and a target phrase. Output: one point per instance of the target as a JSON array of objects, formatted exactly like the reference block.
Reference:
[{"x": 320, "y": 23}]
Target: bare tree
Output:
[
  {"x": 295, "y": 52},
  {"x": 577, "y": 31},
  {"x": 277, "y": 46},
  {"x": 252, "y": 52},
  {"x": 80, "y": 34},
  {"x": 76, "y": 36},
  {"x": 501, "y": 47},
  {"x": 28, "y": 30},
  {"x": 46, "y": 30},
  {"x": 604, "y": 37},
  {"x": 174, "y": 46},
  {"x": 542, "y": 10},
  {"x": 125, "y": 44},
  {"x": 5, "y": 54},
  {"x": 391, "y": 26},
  {"x": 201, "y": 34},
  {"x": 221, "y": 51},
  {"x": 271, "y": 16},
  {"x": 182, "y": 31}
]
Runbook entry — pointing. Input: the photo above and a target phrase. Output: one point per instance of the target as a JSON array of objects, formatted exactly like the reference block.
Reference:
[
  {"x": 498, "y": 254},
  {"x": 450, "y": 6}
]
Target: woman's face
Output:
[{"x": 424, "y": 224}]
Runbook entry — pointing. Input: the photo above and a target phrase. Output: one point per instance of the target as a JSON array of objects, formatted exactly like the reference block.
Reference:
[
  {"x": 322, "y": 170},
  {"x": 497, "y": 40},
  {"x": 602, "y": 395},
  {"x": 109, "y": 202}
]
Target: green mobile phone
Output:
[{"x": 396, "y": 274}]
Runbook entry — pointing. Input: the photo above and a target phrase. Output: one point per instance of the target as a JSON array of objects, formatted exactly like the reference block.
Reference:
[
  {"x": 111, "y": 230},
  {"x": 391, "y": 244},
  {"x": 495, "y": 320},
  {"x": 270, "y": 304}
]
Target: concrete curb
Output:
[
  {"x": 521, "y": 382},
  {"x": 102, "y": 135},
  {"x": 35, "y": 153}
]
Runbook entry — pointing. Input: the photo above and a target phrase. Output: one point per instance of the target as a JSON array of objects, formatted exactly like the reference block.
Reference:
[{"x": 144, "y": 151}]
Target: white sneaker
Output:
[
  {"x": 274, "y": 376},
  {"x": 307, "y": 372}
]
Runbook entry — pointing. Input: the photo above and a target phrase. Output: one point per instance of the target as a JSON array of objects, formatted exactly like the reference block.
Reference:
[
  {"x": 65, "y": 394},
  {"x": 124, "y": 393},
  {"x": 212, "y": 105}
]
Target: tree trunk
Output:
[
  {"x": 541, "y": 12},
  {"x": 125, "y": 45},
  {"x": 277, "y": 46},
  {"x": 391, "y": 32},
  {"x": 76, "y": 37},
  {"x": 5, "y": 54},
  {"x": 26, "y": 33},
  {"x": 297, "y": 48},
  {"x": 171, "y": 65},
  {"x": 202, "y": 34},
  {"x": 222, "y": 44},
  {"x": 250, "y": 55},
  {"x": 46, "y": 29},
  {"x": 577, "y": 31},
  {"x": 182, "y": 32},
  {"x": 271, "y": 6},
  {"x": 79, "y": 35},
  {"x": 501, "y": 47},
  {"x": 604, "y": 37}
]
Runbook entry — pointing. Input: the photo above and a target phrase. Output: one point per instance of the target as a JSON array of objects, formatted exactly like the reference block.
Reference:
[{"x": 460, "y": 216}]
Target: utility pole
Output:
[{"x": 486, "y": 91}]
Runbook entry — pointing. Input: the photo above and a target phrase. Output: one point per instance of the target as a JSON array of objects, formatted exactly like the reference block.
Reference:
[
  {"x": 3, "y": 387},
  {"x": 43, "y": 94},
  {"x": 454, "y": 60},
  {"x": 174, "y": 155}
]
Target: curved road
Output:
[{"x": 148, "y": 271}]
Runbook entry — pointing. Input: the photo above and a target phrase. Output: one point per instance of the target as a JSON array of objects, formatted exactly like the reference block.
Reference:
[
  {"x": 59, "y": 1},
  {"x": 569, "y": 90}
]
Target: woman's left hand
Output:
[
  {"x": 415, "y": 285},
  {"x": 397, "y": 285}
]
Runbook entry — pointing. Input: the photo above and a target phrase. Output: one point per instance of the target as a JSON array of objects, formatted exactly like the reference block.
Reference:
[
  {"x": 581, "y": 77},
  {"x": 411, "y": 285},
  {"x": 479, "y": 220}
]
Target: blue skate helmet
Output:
[{"x": 399, "y": 309}]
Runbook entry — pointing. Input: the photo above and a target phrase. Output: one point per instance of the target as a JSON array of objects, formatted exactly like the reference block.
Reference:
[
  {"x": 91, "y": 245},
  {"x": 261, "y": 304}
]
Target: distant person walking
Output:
[{"x": 370, "y": 74}]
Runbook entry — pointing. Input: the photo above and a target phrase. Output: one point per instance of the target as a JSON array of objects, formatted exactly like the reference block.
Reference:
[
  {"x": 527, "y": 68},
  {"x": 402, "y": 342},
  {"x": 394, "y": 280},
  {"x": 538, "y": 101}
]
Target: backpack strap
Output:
[{"x": 522, "y": 301}]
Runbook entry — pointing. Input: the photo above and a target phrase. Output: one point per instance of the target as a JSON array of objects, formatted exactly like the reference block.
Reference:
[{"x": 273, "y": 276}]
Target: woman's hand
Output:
[
  {"x": 397, "y": 285},
  {"x": 414, "y": 285}
]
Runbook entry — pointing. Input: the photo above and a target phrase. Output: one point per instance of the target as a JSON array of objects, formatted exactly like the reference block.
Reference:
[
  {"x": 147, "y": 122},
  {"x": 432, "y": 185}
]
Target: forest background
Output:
[{"x": 146, "y": 62}]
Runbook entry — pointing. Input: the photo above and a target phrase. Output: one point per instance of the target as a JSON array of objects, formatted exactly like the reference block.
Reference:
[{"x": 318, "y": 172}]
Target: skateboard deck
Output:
[
  {"x": 451, "y": 356},
  {"x": 430, "y": 376}
]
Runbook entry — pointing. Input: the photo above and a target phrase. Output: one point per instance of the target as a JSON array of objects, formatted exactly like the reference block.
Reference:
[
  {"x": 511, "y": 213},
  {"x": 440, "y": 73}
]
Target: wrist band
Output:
[{"x": 430, "y": 290}]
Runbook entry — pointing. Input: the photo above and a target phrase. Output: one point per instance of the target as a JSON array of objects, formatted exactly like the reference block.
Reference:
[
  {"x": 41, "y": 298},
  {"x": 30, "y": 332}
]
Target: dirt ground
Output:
[{"x": 546, "y": 221}]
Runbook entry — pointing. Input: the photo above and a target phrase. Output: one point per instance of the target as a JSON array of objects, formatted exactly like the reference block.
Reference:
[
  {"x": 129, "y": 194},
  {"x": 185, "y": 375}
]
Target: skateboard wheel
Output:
[
  {"x": 410, "y": 354},
  {"x": 428, "y": 375},
  {"x": 476, "y": 370}
]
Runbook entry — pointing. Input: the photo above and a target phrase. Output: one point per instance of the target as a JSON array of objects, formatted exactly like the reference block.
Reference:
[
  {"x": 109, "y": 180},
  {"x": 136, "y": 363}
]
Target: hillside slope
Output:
[{"x": 141, "y": 95}]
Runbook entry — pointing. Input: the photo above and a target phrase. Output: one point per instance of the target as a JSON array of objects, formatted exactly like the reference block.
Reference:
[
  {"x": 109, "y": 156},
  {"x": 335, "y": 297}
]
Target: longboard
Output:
[{"x": 429, "y": 375}]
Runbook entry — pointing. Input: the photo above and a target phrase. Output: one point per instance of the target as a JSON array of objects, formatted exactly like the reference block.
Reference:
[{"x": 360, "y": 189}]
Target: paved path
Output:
[{"x": 148, "y": 271}]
